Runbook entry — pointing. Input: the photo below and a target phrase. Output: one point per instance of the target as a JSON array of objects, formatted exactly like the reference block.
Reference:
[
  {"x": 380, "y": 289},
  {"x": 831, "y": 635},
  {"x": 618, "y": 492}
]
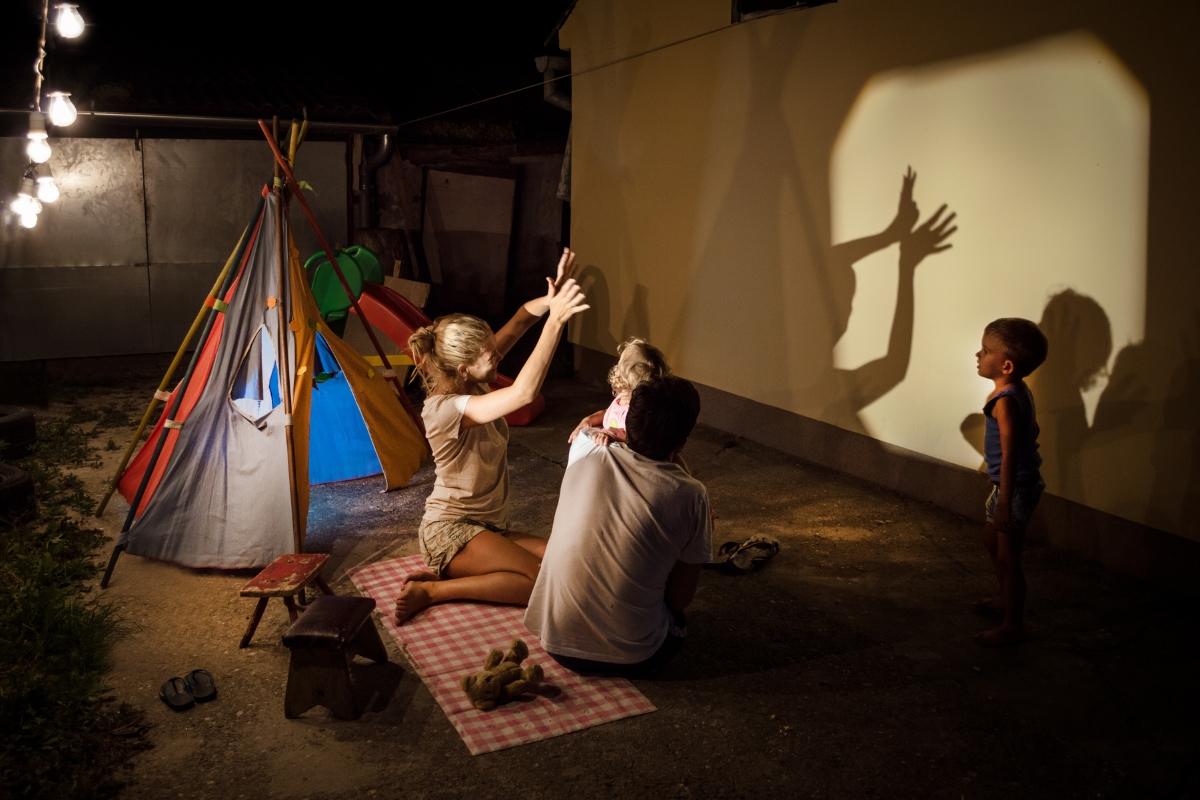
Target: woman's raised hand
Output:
[
  {"x": 566, "y": 270},
  {"x": 564, "y": 301},
  {"x": 566, "y": 267}
]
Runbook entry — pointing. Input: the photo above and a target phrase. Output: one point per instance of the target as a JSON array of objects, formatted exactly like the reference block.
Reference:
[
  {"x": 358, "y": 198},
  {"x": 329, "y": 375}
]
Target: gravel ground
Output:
[{"x": 844, "y": 668}]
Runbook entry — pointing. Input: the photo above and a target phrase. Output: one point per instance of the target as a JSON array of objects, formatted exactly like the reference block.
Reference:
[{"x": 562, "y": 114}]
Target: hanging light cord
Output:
[
  {"x": 37, "y": 65},
  {"x": 606, "y": 64}
]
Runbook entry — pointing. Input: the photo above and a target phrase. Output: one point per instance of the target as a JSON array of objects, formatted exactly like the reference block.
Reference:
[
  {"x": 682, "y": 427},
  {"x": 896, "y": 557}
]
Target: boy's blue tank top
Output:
[{"x": 1029, "y": 460}]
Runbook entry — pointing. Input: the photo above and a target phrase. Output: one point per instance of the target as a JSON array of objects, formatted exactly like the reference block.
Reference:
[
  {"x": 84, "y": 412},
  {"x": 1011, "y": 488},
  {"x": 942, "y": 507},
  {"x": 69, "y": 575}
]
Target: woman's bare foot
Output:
[
  {"x": 989, "y": 606},
  {"x": 1003, "y": 635},
  {"x": 422, "y": 575},
  {"x": 413, "y": 598}
]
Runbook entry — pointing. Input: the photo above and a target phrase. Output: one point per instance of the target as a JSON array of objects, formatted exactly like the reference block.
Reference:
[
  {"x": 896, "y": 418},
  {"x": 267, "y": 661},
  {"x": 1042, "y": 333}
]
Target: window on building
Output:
[{"x": 752, "y": 9}]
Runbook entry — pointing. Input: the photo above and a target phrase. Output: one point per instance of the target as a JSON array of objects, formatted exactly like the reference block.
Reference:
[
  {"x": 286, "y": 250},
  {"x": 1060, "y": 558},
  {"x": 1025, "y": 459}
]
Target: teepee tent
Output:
[{"x": 215, "y": 484}]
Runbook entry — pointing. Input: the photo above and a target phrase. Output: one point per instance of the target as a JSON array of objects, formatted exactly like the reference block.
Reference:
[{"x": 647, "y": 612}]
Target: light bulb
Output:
[
  {"x": 69, "y": 22},
  {"x": 24, "y": 202},
  {"x": 62, "y": 110},
  {"x": 47, "y": 189},
  {"x": 28, "y": 220},
  {"x": 38, "y": 149}
]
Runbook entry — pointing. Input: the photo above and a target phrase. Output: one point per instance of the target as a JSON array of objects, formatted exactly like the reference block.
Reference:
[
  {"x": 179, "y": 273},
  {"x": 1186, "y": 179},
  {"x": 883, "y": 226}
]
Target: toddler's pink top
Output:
[{"x": 614, "y": 415}]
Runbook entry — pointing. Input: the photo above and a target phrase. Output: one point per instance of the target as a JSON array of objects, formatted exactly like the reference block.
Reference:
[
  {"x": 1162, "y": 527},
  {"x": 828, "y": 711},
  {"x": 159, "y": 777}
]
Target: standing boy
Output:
[{"x": 1012, "y": 349}]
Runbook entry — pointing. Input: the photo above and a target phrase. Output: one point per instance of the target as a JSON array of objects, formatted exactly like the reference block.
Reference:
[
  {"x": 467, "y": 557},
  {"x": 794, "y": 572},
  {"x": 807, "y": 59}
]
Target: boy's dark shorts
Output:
[{"x": 1024, "y": 500}]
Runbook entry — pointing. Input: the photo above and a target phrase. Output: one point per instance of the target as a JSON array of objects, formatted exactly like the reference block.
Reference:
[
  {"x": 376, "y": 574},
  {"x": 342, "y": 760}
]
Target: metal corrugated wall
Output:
[{"x": 121, "y": 262}]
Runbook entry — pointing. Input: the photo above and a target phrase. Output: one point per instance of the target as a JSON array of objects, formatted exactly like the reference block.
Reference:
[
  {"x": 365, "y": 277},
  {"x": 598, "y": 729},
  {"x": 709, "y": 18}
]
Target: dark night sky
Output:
[{"x": 223, "y": 58}]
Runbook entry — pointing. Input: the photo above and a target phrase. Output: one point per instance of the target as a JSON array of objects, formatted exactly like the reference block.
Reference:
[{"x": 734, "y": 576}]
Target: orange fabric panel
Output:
[{"x": 400, "y": 446}]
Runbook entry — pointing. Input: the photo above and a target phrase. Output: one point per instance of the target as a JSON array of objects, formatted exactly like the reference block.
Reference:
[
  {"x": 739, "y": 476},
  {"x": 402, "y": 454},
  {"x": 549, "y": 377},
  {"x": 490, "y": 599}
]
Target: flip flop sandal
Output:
[
  {"x": 724, "y": 553},
  {"x": 176, "y": 695},
  {"x": 754, "y": 551},
  {"x": 201, "y": 684}
]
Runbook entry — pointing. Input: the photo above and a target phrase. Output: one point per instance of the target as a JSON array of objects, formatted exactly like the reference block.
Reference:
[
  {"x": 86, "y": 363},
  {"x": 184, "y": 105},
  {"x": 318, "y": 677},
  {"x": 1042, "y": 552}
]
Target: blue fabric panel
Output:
[
  {"x": 275, "y": 399},
  {"x": 339, "y": 447}
]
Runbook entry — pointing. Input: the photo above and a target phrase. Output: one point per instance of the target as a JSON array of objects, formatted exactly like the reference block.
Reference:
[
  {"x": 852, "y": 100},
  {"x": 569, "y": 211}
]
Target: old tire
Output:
[
  {"x": 17, "y": 431},
  {"x": 16, "y": 491}
]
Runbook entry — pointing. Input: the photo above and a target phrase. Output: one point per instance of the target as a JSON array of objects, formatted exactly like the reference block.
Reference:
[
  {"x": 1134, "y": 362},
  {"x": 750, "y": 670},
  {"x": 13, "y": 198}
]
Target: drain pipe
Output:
[
  {"x": 551, "y": 67},
  {"x": 366, "y": 178}
]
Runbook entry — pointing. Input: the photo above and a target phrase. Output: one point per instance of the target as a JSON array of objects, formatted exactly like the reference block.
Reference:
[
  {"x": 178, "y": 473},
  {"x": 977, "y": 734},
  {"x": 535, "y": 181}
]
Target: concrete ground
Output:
[{"x": 844, "y": 668}]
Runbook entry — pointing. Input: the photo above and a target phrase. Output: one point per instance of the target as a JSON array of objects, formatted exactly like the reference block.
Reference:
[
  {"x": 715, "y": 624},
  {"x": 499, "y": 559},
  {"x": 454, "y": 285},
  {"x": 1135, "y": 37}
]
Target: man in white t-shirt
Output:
[{"x": 631, "y": 533}]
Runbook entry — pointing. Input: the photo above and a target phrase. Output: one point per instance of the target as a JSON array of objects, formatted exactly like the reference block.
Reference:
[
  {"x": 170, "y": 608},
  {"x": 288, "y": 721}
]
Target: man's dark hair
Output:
[
  {"x": 1023, "y": 342},
  {"x": 662, "y": 413}
]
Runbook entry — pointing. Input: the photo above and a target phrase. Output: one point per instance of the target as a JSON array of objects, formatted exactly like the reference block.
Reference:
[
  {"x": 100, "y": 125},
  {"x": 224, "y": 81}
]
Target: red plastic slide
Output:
[{"x": 391, "y": 313}]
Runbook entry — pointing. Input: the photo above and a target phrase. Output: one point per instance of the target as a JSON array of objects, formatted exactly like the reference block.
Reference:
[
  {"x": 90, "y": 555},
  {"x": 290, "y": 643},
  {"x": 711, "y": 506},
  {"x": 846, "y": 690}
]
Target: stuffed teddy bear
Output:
[{"x": 502, "y": 678}]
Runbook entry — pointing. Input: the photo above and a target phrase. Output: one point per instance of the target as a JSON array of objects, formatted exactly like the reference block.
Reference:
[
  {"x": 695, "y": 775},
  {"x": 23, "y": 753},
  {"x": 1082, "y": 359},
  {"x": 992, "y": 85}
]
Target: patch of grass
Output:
[
  {"x": 111, "y": 445},
  {"x": 106, "y": 416},
  {"x": 60, "y": 736},
  {"x": 64, "y": 443}
]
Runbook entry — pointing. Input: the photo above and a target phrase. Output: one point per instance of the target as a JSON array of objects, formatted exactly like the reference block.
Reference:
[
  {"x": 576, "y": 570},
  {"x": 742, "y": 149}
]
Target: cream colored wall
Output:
[{"x": 726, "y": 191}]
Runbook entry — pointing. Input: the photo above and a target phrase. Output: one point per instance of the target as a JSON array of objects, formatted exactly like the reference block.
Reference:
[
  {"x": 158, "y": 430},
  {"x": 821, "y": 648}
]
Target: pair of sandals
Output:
[
  {"x": 740, "y": 558},
  {"x": 181, "y": 694}
]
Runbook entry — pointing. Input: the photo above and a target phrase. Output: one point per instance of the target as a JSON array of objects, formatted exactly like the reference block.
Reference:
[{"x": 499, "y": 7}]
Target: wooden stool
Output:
[
  {"x": 284, "y": 577},
  {"x": 322, "y": 642}
]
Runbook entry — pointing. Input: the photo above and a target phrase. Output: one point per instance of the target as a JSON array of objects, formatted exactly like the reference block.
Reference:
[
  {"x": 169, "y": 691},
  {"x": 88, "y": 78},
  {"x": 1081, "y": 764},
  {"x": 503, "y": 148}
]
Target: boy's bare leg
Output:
[
  {"x": 992, "y": 604},
  {"x": 1012, "y": 592}
]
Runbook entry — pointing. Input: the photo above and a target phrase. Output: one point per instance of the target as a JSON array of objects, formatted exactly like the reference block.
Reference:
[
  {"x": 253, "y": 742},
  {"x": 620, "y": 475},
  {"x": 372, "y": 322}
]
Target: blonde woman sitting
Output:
[{"x": 464, "y": 534}]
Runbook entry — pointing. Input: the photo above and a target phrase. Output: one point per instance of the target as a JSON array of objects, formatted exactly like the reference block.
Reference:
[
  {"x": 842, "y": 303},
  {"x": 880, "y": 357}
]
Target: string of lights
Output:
[{"x": 38, "y": 186}]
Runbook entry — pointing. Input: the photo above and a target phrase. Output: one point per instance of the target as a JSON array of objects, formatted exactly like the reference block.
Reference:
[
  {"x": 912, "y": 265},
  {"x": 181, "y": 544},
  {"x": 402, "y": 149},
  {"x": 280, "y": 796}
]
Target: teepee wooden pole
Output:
[
  {"x": 388, "y": 372},
  {"x": 283, "y": 363},
  {"x": 165, "y": 383}
]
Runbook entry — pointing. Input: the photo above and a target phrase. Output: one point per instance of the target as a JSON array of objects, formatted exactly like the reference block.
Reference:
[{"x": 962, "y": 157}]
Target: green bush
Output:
[{"x": 59, "y": 734}]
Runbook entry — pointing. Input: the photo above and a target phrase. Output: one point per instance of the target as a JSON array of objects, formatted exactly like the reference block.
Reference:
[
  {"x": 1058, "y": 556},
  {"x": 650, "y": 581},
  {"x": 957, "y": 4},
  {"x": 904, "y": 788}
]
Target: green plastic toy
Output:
[
  {"x": 372, "y": 270},
  {"x": 327, "y": 289}
]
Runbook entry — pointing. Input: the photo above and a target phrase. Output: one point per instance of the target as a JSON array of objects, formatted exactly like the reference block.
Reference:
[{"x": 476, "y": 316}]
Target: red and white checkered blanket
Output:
[{"x": 449, "y": 640}]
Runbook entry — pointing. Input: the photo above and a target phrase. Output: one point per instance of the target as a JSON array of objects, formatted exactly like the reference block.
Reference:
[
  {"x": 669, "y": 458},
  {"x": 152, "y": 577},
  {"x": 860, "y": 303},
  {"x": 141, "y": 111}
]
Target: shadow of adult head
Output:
[{"x": 1080, "y": 340}]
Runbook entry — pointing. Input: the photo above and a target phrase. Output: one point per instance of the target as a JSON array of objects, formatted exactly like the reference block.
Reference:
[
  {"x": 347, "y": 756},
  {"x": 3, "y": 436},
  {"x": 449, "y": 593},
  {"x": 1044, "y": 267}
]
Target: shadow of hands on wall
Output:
[{"x": 867, "y": 383}]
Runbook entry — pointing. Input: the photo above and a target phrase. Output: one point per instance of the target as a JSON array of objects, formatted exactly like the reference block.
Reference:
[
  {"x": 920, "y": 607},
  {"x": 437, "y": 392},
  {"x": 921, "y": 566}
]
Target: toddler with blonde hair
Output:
[{"x": 638, "y": 361}]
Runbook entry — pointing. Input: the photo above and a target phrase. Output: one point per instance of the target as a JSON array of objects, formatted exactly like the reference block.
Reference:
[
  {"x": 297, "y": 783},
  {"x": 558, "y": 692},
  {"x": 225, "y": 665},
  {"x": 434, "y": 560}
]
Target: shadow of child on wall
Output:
[
  {"x": 871, "y": 381},
  {"x": 1080, "y": 339}
]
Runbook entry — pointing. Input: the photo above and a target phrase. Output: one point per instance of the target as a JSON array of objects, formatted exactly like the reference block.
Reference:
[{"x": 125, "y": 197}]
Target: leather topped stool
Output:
[{"x": 329, "y": 633}]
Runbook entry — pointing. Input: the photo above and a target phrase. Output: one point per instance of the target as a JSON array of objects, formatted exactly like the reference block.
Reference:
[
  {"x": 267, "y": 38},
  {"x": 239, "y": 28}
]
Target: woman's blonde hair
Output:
[
  {"x": 645, "y": 362},
  {"x": 439, "y": 349}
]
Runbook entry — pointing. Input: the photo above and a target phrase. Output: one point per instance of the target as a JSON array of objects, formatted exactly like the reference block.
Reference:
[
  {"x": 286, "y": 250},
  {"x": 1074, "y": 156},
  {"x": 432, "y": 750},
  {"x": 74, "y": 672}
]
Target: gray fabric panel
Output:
[{"x": 224, "y": 500}]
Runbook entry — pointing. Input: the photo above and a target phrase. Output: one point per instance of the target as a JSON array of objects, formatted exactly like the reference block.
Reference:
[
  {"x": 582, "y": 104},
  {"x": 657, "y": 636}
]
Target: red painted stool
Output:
[{"x": 285, "y": 577}]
